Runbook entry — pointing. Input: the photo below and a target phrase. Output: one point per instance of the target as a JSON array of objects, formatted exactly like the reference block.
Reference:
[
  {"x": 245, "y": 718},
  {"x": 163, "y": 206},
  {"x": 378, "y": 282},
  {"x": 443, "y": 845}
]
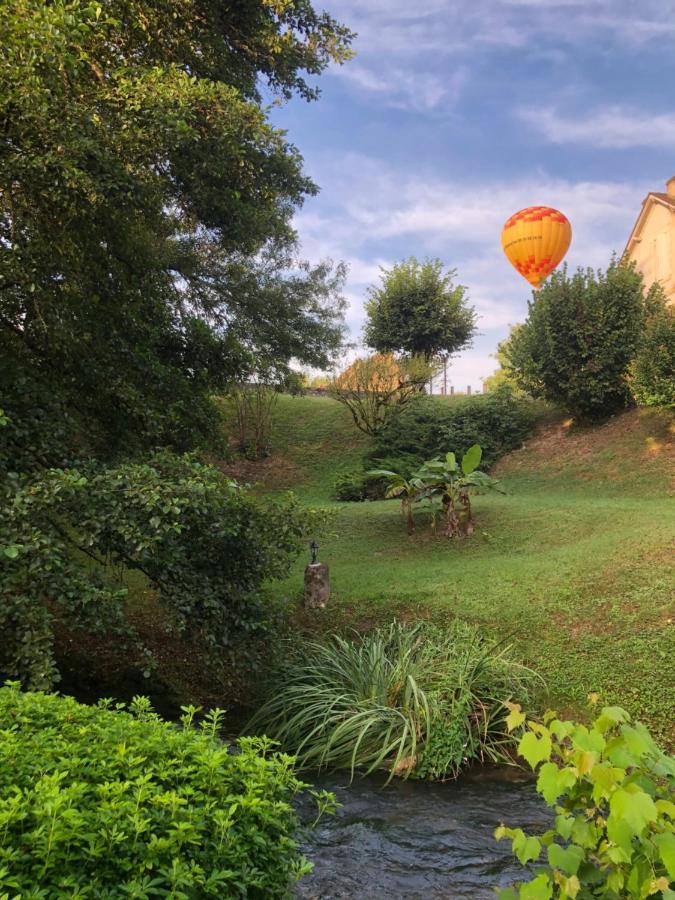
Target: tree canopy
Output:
[
  {"x": 580, "y": 337},
  {"x": 145, "y": 214},
  {"x": 418, "y": 310}
]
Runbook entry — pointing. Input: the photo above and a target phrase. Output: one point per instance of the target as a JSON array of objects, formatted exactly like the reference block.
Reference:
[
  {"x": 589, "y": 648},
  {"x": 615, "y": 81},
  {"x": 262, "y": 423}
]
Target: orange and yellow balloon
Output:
[{"x": 535, "y": 241}]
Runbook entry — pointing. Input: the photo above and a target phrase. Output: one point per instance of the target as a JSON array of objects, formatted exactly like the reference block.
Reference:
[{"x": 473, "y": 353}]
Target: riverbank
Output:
[{"x": 574, "y": 566}]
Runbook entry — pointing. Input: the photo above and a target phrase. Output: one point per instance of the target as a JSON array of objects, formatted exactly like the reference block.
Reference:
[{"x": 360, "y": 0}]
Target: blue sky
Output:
[{"x": 456, "y": 113}]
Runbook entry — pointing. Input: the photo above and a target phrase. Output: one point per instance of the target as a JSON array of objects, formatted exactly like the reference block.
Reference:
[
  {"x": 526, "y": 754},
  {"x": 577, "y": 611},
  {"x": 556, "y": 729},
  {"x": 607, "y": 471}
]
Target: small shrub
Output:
[
  {"x": 96, "y": 802},
  {"x": 406, "y": 699},
  {"x": 350, "y": 486},
  {"x": 358, "y": 485},
  {"x": 613, "y": 792},
  {"x": 254, "y": 406},
  {"x": 371, "y": 388},
  {"x": 499, "y": 421},
  {"x": 653, "y": 372}
]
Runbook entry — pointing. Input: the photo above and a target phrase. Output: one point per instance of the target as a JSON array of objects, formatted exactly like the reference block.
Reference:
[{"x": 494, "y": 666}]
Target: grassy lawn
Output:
[{"x": 573, "y": 566}]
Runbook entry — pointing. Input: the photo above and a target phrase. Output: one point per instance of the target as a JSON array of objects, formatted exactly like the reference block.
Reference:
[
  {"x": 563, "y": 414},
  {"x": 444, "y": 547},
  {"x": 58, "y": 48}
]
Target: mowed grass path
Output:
[{"x": 574, "y": 566}]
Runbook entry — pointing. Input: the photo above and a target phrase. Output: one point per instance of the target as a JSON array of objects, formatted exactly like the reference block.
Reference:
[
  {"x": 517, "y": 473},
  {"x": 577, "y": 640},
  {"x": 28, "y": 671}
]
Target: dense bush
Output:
[
  {"x": 428, "y": 427},
  {"x": 407, "y": 699},
  {"x": 653, "y": 372},
  {"x": 103, "y": 803},
  {"x": 612, "y": 790},
  {"x": 201, "y": 541},
  {"x": 580, "y": 337},
  {"x": 358, "y": 485}
]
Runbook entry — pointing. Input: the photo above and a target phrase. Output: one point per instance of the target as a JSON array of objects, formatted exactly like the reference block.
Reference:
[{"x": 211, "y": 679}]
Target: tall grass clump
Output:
[{"x": 407, "y": 699}]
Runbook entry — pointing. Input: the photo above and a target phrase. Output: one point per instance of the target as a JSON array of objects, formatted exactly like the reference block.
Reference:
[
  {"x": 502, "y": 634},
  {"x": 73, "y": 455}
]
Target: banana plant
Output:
[
  {"x": 455, "y": 481},
  {"x": 410, "y": 490}
]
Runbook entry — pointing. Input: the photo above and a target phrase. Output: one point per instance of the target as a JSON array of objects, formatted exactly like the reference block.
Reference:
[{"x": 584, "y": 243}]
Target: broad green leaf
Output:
[
  {"x": 567, "y": 859},
  {"x": 471, "y": 459},
  {"x": 527, "y": 849},
  {"x": 515, "y": 717},
  {"x": 667, "y": 807},
  {"x": 638, "y": 740},
  {"x": 539, "y": 889},
  {"x": 604, "y": 778},
  {"x": 534, "y": 749},
  {"x": 632, "y": 807},
  {"x": 564, "y": 825},
  {"x": 610, "y": 715},
  {"x": 11, "y": 552},
  {"x": 666, "y": 845},
  {"x": 553, "y": 782},
  {"x": 570, "y": 887}
]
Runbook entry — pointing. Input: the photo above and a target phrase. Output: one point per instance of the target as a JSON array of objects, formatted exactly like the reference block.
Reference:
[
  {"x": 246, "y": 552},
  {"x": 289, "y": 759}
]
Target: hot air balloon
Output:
[{"x": 535, "y": 240}]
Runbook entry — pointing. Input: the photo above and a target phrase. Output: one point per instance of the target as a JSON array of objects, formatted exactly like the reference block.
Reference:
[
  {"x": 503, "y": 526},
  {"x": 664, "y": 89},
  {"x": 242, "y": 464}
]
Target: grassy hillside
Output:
[{"x": 573, "y": 566}]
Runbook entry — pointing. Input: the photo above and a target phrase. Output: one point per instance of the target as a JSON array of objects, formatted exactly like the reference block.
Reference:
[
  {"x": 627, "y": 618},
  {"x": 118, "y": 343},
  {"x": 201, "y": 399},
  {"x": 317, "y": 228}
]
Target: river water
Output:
[{"x": 415, "y": 839}]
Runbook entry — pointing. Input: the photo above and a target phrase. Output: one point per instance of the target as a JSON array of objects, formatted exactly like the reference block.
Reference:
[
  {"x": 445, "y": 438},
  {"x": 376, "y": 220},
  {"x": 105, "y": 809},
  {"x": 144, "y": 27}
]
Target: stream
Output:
[{"x": 415, "y": 839}]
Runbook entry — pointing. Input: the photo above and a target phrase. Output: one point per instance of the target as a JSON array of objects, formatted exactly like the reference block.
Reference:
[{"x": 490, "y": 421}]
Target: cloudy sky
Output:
[{"x": 456, "y": 113}]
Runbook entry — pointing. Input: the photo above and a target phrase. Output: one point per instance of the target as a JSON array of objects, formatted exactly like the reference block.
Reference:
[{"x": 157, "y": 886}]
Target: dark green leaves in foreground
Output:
[
  {"x": 108, "y": 804},
  {"x": 613, "y": 792}
]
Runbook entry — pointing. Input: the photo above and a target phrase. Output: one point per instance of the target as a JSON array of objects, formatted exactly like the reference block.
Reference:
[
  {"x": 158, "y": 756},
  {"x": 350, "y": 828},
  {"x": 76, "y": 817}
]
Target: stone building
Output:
[{"x": 651, "y": 244}]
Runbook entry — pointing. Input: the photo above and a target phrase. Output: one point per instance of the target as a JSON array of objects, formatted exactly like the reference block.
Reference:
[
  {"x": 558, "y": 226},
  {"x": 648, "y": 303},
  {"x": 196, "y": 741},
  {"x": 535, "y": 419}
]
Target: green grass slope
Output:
[{"x": 573, "y": 566}]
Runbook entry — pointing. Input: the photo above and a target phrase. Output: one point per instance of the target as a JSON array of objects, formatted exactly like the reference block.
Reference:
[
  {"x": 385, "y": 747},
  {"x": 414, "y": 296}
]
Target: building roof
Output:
[
  {"x": 664, "y": 198},
  {"x": 657, "y": 196}
]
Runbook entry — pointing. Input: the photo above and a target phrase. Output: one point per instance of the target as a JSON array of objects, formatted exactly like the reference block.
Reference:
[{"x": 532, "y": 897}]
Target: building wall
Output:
[{"x": 654, "y": 250}]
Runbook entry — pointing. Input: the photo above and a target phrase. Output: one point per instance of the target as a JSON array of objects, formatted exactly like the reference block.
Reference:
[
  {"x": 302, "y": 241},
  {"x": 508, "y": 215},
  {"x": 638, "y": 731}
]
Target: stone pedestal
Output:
[{"x": 317, "y": 586}]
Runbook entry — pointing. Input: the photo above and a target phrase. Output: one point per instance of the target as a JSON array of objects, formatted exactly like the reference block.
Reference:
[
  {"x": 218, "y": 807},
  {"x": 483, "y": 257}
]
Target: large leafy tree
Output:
[
  {"x": 580, "y": 337},
  {"x": 418, "y": 310},
  {"x": 138, "y": 172}
]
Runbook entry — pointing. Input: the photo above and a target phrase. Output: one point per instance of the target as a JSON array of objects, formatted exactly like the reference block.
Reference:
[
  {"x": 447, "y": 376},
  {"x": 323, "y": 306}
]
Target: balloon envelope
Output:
[{"x": 535, "y": 240}]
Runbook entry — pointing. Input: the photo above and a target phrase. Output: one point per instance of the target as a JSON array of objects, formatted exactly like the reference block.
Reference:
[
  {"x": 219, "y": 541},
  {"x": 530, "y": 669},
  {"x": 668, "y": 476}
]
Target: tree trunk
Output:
[{"x": 465, "y": 520}]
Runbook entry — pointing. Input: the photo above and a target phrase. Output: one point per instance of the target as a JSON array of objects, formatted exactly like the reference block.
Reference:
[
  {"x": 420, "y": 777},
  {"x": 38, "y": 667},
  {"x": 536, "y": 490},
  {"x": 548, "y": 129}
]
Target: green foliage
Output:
[
  {"x": 442, "y": 484},
  {"x": 407, "y": 699},
  {"x": 371, "y": 388},
  {"x": 612, "y": 790},
  {"x": 653, "y": 371},
  {"x": 358, "y": 485},
  {"x": 581, "y": 335},
  {"x": 202, "y": 542},
  {"x": 575, "y": 566},
  {"x": 418, "y": 310},
  {"x": 253, "y": 406},
  {"x": 426, "y": 427},
  {"x": 146, "y": 201},
  {"x": 101, "y": 802}
]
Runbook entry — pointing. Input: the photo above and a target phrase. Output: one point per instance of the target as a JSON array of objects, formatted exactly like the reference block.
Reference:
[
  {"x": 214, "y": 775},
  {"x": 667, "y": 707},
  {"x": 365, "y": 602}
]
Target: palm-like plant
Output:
[
  {"x": 455, "y": 482},
  {"x": 410, "y": 490},
  {"x": 446, "y": 479}
]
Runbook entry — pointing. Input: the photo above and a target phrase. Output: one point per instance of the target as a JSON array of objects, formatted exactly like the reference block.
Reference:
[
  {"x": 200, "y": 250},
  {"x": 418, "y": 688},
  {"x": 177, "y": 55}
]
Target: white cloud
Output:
[
  {"x": 368, "y": 200},
  {"x": 370, "y": 214},
  {"x": 419, "y": 56},
  {"x": 406, "y": 89},
  {"x": 448, "y": 27},
  {"x": 612, "y": 127}
]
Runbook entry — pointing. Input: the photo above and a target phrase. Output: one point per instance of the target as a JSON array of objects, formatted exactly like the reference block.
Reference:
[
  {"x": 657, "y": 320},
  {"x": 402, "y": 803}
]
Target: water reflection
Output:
[{"x": 418, "y": 840}]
